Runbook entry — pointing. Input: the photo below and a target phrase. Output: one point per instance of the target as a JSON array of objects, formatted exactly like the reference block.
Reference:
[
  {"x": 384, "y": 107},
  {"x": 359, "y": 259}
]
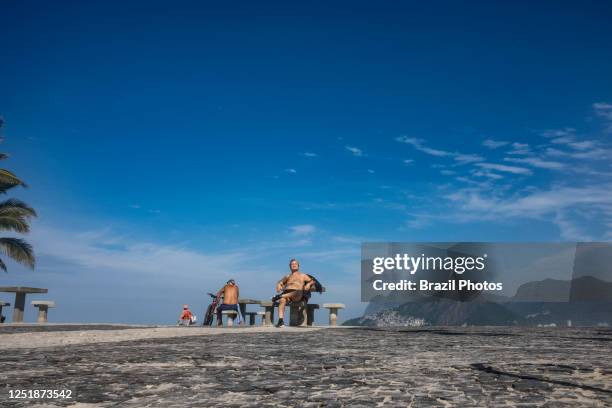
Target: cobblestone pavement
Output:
[{"x": 330, "y": 367}]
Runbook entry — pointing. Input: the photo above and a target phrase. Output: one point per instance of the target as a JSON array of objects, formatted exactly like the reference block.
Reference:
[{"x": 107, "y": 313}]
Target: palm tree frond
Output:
[
  {"x": 16, "y": 208},
  {"x": 3, "y": 156},
  {"x": 19, "y": 250},
  {"x": 17, "y": 224},
  {"x": 3, "y": 266},
  {"x": 9, "y": 179}
]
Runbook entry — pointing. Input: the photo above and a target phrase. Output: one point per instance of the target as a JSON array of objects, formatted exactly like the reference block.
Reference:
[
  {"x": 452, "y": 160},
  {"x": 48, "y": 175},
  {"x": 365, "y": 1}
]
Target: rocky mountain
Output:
[{"x": 585, "y": 301}]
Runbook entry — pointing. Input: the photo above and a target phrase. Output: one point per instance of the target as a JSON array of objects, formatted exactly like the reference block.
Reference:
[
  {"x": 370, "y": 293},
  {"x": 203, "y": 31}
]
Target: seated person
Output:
[
  {"x": 230, "y": 293},
  {"x": 186, "y": 318},
  {"x": 293, "y": 288}
]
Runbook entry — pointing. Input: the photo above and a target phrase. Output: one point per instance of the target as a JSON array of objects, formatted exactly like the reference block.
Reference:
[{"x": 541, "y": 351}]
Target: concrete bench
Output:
[
  {"x": 230, "y": 316},
  {"x": 298, "y": 314},
  {"x": 333, "y": 311},
  {"x": 252, "y": 316},
  {"x": 3, "y": 304},
  {"x": 301, "y": 313},
  {"x": 43, "y": 307}
]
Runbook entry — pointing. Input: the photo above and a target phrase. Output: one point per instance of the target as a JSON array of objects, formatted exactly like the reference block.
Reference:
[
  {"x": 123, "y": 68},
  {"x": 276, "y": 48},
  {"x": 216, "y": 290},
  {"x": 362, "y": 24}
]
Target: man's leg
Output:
[
  {"x": 219, "y": 316},
  {"x": 292, "y": 296}
]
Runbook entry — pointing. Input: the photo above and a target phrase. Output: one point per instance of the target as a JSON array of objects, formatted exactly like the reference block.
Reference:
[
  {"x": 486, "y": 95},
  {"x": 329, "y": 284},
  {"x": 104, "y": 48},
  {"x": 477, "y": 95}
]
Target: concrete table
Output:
[
  {"x": 333, "y": 311},
  {"x": 20, "y": 294},
  {"x": 242, "y": 304},
  {"x": 43, "y": 307},
  {"x": 2, "y": 304}
]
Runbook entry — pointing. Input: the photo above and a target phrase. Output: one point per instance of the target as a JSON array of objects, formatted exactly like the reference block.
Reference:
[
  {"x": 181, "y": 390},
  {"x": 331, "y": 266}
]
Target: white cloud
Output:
[
  {"x": 504, "y": 168},
  {"x": 534, "y": 203},
  {"x": 494, "y": 144},
  {"x": 419, "y": 145},
  {"x": 293, "y": 171},
  {"x": 536, "y": 162},
  {"x": 520, "y": 148},
  {"x": 354, "y": 150},
  {"x": 303, "y": 230},
  {"x": 488, "y": 174},
  {"x": 371, "y": 171},
  {"x": 309, "y": 154},
  {"x": 447, "y": 172},
  {"x": 583, "y": 145},
  {"x": 562, "y": 140},
  {"x": 408, "y": 161},
  {"x": 569, "y": 230},
  {"x": 468, "y": 158},
  {"x": 603, "y": 109},
  {"x": 556, "y": 133}
]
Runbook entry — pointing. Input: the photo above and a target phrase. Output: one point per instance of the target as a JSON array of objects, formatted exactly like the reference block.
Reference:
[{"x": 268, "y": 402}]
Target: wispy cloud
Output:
[
  {"x": 537, "y": 162},
  {"x": 494, "y": 144},
  {"x": 504, "y": 168},
  {"x": 569, "y": 229},
  {"x": 604, "y": 111},
  {"x": 302, "y": 230},
  {"x": 354, "y": 150},
  {"x": 489, "y": 174},
  {"x": 293, "y": 171},
  {"x": 419, "y": 144},
  {"x": 467, "y": 158},
  {"x": 556, "y": 133},
  {"x": 520, "y": 149},
  {"x": 310, "y": 154},
  {"x": 533, "y": 203},
  {"x": 408, "y": 161}
]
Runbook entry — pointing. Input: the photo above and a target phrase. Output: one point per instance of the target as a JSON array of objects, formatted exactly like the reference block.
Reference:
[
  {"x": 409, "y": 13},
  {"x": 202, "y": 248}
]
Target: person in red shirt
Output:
[{"x": 186, "y": 318}]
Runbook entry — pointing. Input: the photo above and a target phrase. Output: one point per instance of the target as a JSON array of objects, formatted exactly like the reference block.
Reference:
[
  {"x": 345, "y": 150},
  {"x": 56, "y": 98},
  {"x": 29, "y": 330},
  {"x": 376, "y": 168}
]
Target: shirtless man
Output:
[
  {"x": 230, "y": 293},
  {"x": 293, "y": 287}
]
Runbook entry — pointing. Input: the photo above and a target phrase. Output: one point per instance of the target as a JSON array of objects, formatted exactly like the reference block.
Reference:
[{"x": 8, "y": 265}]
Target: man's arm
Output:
[
  {"x": 281, "y": 283},
  {"x": 308, "y": 282},
  {"x": 221, "y": 291}
]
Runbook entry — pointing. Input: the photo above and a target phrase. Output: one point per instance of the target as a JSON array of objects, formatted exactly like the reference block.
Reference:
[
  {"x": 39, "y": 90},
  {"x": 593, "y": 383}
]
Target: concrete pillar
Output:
[
  {"x": 333, "y": 312},
  {"x": 251, "y": 319},
  {"x": 310, "y": 310},
  {"x": 268, "y": 313},
  {"x": 2, "y": 304},
  {"x": 42, "y": 313},
  {"x": 333, "y": 315},
  {"x": 19, "y": 307}
]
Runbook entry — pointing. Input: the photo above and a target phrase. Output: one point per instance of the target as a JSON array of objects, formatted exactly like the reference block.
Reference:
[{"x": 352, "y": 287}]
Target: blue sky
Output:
[{"x": 168, "y": 148}]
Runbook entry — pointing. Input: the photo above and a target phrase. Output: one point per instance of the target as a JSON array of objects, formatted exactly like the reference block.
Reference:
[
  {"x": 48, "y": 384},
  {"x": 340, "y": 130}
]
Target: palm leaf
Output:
[
  {"x": 3, "y": 156},
  {"x": 9, "y": 179},
  {"x": 17, "y": 224},
  {"x": 19, "y": 250},
  {"x": 16, "y": 208},
  {"x": 2, "y": 266}
]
